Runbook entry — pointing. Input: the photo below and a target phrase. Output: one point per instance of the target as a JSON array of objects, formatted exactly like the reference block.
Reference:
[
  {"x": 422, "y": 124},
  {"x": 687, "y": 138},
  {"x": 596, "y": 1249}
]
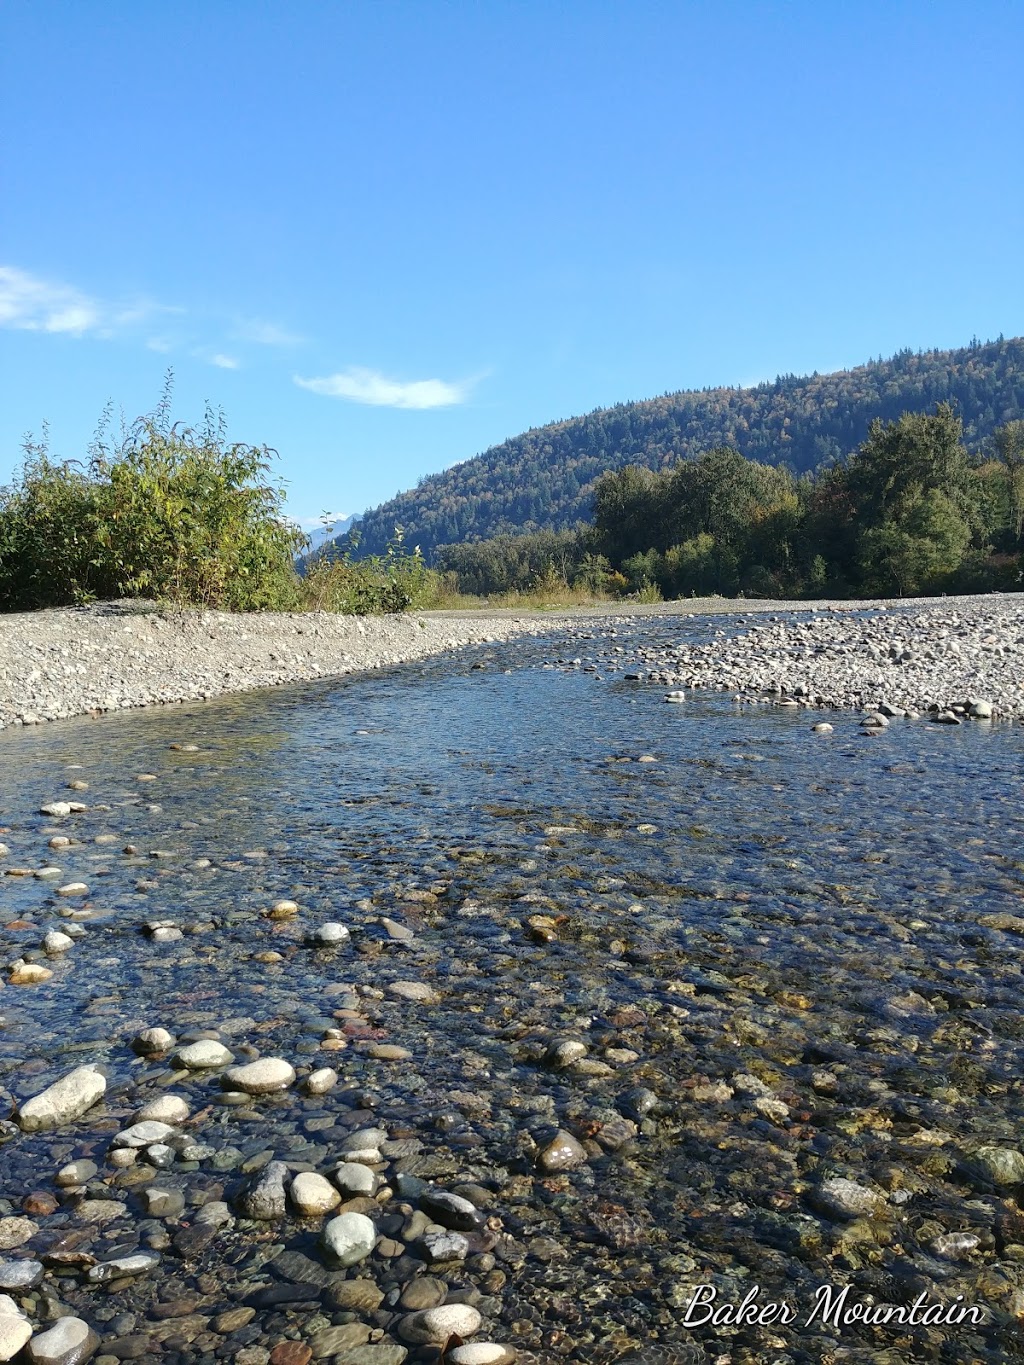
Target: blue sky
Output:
[{"x": 385, "y": 235}]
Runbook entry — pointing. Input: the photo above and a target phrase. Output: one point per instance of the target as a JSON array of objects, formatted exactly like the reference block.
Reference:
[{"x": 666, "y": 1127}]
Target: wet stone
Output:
[
  {"x": 19, "y": 1275},
  {"x": 69, "y": 1342}
]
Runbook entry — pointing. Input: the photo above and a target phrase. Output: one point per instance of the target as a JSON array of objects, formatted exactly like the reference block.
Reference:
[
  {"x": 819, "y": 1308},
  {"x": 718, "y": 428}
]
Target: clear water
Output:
[{"x": 773, "y": 902}]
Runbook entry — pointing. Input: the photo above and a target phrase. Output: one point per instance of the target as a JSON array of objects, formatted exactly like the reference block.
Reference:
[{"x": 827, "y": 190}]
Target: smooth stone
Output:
[
  {"x": 349, "y": 1238},
  {"x": 562, "y": 1153},
  {"x": 70, "y": 1341},
  {"x": 416, "y": 991},
  {"x": 481, "y": 1353},
  {"x": 29, "y": 974},
  {"x": 451, "y": 1211},
  {"x": 170, "y": 1109},
  {"x": 56, "y": 943},
  {"x": 356, "y": 1296},
  {"x": 424, "y": 1291},
  {"x": 320, "y": 1081},
  {"x": 65, "y": 1100},
  {"x": 380, "y": 1353},
  {"x": 353, "y": 1178},
  {"x": 56, "y": 808},
  {"x": 142, "y": 1134},
  {"x": 261, "y": 1077},
  {"x": 163, "y": 1203},
  {"x": 15, "y": 1331},
  {"x": 20, "y": 1274},
  {"x": 77, "y": 1172},
  {"x": 15, "y": 1232},
  {"x": 434, "y": 1326},
  {"x": 312, "y": 1195},
  {"x": 1000, "y": 1165},
  {"x": 140, "y": 1264},
  {"x": 152, "y": 1040},
  {"x": 330, "y": 935},
  {"x": 203, "y": 1055},
  {"x": 445, "y": 1246},
  {"x": 100, "y": 1211}
]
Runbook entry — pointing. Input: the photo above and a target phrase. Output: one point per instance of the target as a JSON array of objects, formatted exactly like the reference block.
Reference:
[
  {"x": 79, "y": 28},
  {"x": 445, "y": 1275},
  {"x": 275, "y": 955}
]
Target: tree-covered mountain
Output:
[{"x": 545, "y": 478}]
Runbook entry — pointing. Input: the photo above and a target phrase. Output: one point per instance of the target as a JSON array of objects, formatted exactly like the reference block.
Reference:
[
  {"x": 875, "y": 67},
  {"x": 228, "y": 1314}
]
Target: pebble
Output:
[
  {"x": 260, "y": 1078},
  {"x": 330, "y": 935},
  {"x": 312, "y": 1195},
  {"x": 70, "y": 1341},
  {"x": 320, "y": 1081},
  {"x": 65, "y": 1100},
  {"x": 844, "y": 1198},
  {"x": 562, "y": 1153},
  {"x": 204, "y": 1055},
  {"x": 434, "y": 1326},
  {"x": 349, "y": 1238},
  {"x": 20, "y": 1274},
  {"x": 168, "y": 1109}
]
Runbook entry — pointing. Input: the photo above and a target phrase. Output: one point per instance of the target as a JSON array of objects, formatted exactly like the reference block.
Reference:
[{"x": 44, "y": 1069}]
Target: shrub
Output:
[{"x": 173, "y": 513}]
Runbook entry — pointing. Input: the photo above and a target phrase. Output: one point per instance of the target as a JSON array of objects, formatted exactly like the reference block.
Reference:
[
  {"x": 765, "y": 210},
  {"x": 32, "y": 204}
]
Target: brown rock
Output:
[{"x": 291, "y": 1353}]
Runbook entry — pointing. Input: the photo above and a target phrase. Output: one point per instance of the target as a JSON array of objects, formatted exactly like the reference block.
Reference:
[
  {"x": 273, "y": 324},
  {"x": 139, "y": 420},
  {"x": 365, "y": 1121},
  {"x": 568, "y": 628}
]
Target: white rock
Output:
[
  {"x": 164, "y": 1109},
  {"x": 142, "y": 1134},
  {"x": 436, "y": 1325},
  {"x": 349, "y": 1238},
  {"x": 152, "y": 1040},
  {"x": 320, "y": 1081},
  {"x": 67, "y": 1342},
  {"x": 260, "y": 1077},
  {"x": 331, "y": 934},
  {"x": 202, "y": 1055},
  {"x": 481, "y": 1353},
  {"x": 312, "y": 1195},
  {"x": 139, "y": 1264},
  {"x": 64, "y": 1101},
  {"x": 56, "y": 942},
  {"x": 15, "y": 1330},
  {"x": 56, "y": 808},
  {"x": 353, "y": 1178}
]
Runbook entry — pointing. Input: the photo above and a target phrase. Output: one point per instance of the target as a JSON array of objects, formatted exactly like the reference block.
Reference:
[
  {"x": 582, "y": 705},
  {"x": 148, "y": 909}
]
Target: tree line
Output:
[
  {"x": 911, "y": 511},
  {"x": 546, "y": 478}
]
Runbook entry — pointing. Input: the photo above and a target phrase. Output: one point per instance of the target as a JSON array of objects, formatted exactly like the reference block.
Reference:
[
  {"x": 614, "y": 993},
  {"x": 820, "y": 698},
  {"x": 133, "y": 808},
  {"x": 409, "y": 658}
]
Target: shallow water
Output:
[{"x": 759, "y": 901}]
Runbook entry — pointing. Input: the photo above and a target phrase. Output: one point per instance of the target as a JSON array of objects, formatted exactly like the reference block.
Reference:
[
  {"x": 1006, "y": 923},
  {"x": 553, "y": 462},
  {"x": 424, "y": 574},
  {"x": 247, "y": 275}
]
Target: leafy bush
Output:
[
  {"x": 172, "y": 513},
  {"x": 386, "y": 583}
]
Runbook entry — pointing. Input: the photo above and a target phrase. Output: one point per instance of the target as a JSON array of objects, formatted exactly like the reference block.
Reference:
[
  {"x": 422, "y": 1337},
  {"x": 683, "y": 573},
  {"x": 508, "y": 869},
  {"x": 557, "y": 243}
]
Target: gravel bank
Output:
[
  {"x": 57, "y": 664},
  {"x": 932, "y": 655},
  {"x": 946, "y": 657}
]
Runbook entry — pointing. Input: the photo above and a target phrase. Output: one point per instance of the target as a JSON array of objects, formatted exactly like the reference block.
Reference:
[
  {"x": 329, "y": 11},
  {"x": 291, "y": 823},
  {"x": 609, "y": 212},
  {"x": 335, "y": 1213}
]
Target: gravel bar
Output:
[{"x": 934, "y": 654}]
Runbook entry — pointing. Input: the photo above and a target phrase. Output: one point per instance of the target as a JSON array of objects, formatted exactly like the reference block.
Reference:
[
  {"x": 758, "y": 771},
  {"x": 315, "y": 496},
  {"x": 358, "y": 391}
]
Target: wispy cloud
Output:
[
  {"x": 31, "y": 304},
  {"x": 225, "y": 362},
  {"x": 265, "y": 333},
  {"x": 360, "y": 385}
]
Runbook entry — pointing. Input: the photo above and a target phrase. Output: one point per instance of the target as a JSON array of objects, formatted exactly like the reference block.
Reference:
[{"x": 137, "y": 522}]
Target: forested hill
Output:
[{"x": 544, "y": 479}]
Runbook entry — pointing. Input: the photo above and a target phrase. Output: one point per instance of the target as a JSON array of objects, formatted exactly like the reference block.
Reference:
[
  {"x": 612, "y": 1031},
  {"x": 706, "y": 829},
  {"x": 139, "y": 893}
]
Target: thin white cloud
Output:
[
  {"x": 360, "y": 385},
  {"x": 31, "y": 304},
  {"x": 265, "y": 333},
  {"x": 159, "y": 344},
  {"x": 225, "y": 362}
]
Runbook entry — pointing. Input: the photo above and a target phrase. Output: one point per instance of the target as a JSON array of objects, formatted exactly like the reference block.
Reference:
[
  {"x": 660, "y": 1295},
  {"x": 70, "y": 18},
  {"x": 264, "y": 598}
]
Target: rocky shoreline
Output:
[
  {"x": 931, "y": 655},
  {"x": 117, "y": 656}
]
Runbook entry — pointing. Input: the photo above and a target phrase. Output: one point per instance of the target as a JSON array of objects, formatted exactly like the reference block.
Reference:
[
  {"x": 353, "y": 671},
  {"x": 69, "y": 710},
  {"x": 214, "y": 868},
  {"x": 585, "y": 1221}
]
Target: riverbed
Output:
[{"x": 674, "y": 996}]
